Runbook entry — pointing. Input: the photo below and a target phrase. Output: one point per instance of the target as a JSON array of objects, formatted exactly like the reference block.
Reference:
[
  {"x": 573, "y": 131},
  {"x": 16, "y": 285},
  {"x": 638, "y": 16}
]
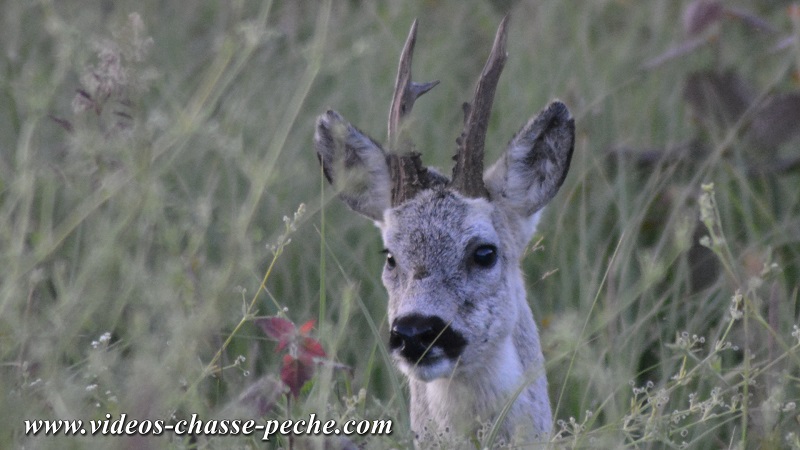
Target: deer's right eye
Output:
[{"x": 390, "y": 261}]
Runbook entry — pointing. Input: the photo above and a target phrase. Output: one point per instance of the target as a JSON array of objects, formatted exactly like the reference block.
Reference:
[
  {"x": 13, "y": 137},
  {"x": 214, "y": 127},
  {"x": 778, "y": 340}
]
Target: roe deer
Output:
[{"x": 461, "y": 328}]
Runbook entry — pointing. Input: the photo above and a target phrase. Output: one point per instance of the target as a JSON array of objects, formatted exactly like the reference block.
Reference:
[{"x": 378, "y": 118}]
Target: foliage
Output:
[{"x": 298, "y": 361}]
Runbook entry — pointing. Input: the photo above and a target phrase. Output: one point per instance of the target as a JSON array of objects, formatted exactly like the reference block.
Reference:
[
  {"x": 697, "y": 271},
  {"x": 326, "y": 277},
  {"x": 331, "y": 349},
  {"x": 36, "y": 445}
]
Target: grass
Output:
[{"x": 150, "y": 151}]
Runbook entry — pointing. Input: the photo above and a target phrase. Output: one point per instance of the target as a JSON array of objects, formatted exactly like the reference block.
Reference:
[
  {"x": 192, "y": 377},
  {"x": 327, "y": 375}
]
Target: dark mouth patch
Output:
[{"x": 415, "y": 335}]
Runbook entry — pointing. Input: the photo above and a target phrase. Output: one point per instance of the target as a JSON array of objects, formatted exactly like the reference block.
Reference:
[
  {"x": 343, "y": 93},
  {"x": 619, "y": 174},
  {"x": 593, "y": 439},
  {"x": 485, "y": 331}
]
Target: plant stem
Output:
[{"x": 211, "y": 367}]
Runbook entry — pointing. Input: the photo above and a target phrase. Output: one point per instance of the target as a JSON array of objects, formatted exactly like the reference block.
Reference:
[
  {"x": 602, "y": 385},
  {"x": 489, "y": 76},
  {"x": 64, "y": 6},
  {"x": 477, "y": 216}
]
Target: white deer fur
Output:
[{"x": 468, "y": 310}]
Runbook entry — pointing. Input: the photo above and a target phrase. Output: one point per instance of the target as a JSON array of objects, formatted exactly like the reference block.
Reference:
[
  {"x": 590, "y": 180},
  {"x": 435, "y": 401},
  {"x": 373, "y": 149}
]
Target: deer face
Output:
[{"x": 447, "y": 264}]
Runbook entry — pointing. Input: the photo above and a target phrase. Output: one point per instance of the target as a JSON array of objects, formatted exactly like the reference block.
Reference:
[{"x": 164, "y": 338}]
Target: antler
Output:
[
  {"x": 406, "y": 91},
  {"x": 468, "y": 171},
  {"x": 408, "y": 174}
]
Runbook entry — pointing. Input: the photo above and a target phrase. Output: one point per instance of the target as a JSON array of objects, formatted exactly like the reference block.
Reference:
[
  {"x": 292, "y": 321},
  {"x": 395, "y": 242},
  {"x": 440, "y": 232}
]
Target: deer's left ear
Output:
[
  {"x": 534, "y": 166},
  {"x": 354, "y": 164}
]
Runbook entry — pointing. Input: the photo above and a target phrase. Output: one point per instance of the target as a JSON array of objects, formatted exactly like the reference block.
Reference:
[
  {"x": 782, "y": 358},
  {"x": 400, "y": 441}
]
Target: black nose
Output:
[{"x": 415, "y": 335}]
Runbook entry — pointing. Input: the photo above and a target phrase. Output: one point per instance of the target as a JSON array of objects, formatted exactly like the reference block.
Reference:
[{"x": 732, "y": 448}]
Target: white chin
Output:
[{"x": 442, "y": 368}]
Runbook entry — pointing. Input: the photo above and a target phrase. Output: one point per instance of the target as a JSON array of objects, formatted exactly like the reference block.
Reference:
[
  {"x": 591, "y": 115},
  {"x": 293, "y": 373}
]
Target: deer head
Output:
[{"x": 457, "y": 307}]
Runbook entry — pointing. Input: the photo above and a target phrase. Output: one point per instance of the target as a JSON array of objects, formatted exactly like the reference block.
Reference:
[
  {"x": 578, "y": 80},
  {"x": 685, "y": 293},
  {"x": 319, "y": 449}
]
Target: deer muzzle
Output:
[{"x": 423, "y": 340}]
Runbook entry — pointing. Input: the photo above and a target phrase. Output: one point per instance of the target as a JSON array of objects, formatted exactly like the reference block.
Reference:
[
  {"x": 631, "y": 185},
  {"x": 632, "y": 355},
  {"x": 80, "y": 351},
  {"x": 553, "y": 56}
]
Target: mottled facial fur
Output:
[{"x": 433, "y": 240}]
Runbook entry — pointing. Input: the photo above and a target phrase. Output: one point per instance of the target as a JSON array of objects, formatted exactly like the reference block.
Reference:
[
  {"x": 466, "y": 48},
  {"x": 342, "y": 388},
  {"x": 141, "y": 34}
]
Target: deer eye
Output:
[
  {"x": 485, "y": 256},
  {"x": 390, "y": 261}
]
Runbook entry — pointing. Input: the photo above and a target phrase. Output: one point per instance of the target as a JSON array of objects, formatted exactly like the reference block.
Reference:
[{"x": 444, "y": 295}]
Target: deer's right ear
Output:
[{"x": 354, "y": 165}]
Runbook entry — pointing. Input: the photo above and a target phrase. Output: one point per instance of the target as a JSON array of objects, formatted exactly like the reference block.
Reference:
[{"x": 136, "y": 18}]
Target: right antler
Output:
[
  {"x": 406, "y": 91},
  {"x": 468, "y": 171},
  {"x": 408, "y": 174}
]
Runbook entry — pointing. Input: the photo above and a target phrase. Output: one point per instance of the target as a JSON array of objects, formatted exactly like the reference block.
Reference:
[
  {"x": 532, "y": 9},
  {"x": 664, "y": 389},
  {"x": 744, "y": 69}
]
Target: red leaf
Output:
[
  {"x": 281, "y": 345},
  {"x": 307, "y": 327},
  {"x": 296, "y": 372},
  {"x": 276, "y": 328},
  {"x": 312, "y": 348}
]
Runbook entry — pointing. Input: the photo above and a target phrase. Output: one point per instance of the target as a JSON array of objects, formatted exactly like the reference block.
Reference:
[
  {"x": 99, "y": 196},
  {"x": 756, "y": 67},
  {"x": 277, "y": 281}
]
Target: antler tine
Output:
[
  {"x": 468, "y": 170},
  {"x": 406, "y": 91}
]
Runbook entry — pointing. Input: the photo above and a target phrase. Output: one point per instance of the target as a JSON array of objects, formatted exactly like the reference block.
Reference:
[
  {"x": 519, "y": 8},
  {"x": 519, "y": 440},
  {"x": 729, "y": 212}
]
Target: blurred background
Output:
[{"x": 153, "y": 156}]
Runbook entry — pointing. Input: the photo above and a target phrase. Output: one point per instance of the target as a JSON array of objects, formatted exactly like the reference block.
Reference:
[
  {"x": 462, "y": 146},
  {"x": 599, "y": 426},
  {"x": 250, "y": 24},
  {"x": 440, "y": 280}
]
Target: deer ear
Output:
[
  {"x": 354, "y": 165},
  {"x": 534, "y": 166}
]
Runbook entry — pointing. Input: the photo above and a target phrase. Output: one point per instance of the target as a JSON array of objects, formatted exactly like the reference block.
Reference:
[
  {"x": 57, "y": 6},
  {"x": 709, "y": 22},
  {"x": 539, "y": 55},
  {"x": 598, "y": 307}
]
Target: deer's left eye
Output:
[{"x": 485, "y": 256}]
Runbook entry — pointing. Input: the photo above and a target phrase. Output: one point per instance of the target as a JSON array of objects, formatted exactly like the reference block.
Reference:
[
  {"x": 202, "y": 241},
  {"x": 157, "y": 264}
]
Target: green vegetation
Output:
[{"x": 149, "y": 152}]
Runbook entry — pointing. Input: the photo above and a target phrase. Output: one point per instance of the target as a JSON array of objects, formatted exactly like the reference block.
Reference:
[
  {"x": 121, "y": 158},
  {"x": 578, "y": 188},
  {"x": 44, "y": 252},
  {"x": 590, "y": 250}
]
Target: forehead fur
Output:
[{"x": 439, "y": 218}]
